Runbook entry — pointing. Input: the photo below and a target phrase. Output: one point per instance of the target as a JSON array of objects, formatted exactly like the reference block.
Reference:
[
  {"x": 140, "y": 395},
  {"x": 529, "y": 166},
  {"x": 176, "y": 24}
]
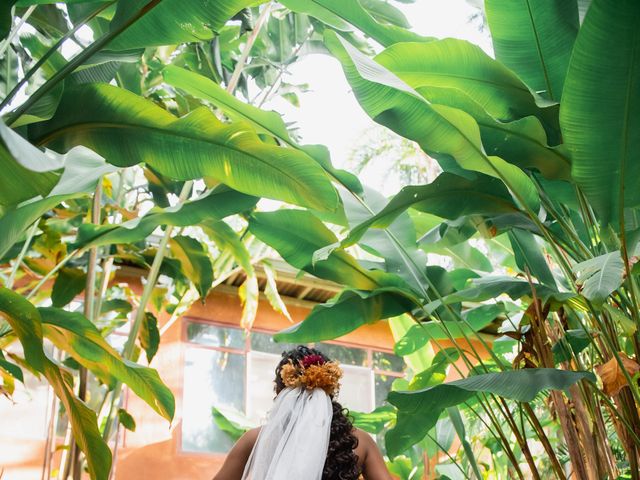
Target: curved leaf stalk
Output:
[
  {"x": 23, "y": 252},
  {"x": 235, "y": 76},
  {"x": 54, "y": 48},
  {"x": 548, "y": 448},
  {"x": 522, "y": 441},
  {"x": 151, "y": 280},
  {"x": 409, "y": 262},
  {"x": 272, "y": 87},
  {"x": 129, "y": 346},
  {"x": 78, "y": 60},
  {"x": 51, "y": 273},
  {"x": 446, "y": 452},
  {"x": 581, "y": 464},
  {"x": 16, "y": 29},
  {"x": 108, "y": 263},
  {"x": 484, "y": 400}
]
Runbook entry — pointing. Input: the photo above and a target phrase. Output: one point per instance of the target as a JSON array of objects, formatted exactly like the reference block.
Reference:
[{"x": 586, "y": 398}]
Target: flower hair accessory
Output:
[{"x": 313, "y": 372}]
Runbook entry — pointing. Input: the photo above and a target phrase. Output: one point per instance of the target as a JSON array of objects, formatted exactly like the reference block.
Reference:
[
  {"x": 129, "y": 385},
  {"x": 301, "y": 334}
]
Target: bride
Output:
[{"x": 307, "y": 435}]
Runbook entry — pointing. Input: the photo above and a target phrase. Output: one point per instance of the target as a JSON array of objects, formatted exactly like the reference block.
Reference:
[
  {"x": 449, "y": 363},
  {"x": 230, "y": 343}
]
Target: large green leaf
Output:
[
  {"x": 25, "y": 321},
  {"x": 298, "y": 234},
  {"x": 127, "y": 129},
  {"x": 385, "y": 12},
  {"x": 173, "y": 21},
  {"x": 396, "y": 244},
  {"x": 6, "y": 17},
  {"x": 69, "y": 282},
  {"x": 342, "y": 14},
  {"x": 75, "y": 334},
  {"x": 458, "y": 64},
  {"x": 448, "y": 196},
  {"x": 27, "y": 171},
  {"x": 373, "y": 422},
  {"x": 523, "y": 142},
  {"x": 84, "y": 423},
  {"x": 82, "y": 170},
  {"x": 442, "y": 131},
  {"x": 534, "y": 38},
  {"x": 344, "y": 313},
  {"x": 418, "y": 411},
  {"x": 474, "y": 320},
  {"x": 528, "y": 255},
  {"x": 600, "y": 276},
  {"x": 270, "y": 123},
  {"x": 195, "y": 262},
  {"x": 600, "y": 112},
  {"x": 218, "y": 204},
  {"x": 484, "y": 288}
]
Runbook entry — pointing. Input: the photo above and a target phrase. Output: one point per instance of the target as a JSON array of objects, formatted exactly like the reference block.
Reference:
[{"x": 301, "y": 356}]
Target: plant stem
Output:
[
  {"x": 51, "y": 273},
  {"x": 151, "y": 280},
  {"x": 50, "y": 52},
  {"x": 89, "y": 294},
  {"x": 235, "y": 77},
  {"x": 78, "y": 60},
  {"x": 23, "y": 252},
  {"x": 16, "y": 29}
]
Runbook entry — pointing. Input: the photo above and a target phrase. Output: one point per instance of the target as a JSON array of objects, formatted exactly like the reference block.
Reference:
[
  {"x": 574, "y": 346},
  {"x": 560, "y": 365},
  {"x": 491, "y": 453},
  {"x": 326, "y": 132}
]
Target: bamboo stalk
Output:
[{"x": 89, "y": 294}]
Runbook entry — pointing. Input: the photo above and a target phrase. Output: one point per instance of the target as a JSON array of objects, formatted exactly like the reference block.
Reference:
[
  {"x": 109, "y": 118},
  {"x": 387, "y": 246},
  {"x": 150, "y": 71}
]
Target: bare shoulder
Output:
[
  {"x": 373, "y": 465},
  {"x": 249, "y": 438},
  {"x": 237, "y": 458},
  {"x": 365, "y": 444}
]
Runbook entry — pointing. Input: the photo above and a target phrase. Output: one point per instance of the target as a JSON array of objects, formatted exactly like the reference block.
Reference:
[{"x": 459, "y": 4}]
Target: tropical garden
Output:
[{"x": 133, "y": 133}]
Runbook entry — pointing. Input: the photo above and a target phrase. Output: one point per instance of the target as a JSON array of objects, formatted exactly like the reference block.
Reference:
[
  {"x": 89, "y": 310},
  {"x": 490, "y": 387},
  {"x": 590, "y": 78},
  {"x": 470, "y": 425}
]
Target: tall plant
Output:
[
  {"x": 138, "y": 132},
  {"x": 539, "y": 149}
]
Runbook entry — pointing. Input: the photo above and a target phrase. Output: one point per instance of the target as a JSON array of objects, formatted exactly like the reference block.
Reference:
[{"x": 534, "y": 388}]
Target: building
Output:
[{"x": 207, "y": 360}]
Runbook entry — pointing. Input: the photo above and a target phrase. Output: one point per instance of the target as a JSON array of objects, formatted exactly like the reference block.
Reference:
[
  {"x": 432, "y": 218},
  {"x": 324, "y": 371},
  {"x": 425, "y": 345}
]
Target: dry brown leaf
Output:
[{"x": 613, "y": 379}]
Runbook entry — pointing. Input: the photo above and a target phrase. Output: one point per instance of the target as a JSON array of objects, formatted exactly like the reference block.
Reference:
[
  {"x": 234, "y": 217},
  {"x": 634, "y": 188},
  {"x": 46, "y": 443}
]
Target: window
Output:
[{"x": 228, "y": 370}]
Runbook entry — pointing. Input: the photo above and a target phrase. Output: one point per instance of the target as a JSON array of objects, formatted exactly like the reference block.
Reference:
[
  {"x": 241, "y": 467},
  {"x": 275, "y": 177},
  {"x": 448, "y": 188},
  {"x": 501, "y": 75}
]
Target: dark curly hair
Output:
[{"x": 342, "y": 461}]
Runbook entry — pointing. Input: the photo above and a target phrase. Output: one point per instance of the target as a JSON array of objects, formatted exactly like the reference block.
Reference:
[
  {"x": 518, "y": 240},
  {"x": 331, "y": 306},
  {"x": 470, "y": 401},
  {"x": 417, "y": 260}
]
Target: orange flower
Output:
[
  {"x": 290, "y": 376},
  {"x": 326, "y": 376}
]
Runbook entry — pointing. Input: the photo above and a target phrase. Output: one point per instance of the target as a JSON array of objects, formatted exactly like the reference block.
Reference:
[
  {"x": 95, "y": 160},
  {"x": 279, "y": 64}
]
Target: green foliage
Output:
[
  {"x": 75, "y": 334},
  {"x": 127, "y": 129},
  {"x": 535, "y": 40},
  {"x": 419, "y": 410},
  {"x": 536, "y": 202},
  {"x": 150, "y": 336},
  {"x": 605, "y": 158}
]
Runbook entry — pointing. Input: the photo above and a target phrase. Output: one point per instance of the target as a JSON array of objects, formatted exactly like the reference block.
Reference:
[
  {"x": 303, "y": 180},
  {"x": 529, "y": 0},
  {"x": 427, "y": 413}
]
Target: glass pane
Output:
[
  {"x": 383, "y": 387},
  {"x": 344, "y": 355},
  {"x": 388, "y": 362},
  {"x": 263, "y": 342},
  {"x": 213, "y": 336},
  {"x": 211, "y": 378},
  {"x": 356, "y": 390},
  {"x": 260, "y": 384}
]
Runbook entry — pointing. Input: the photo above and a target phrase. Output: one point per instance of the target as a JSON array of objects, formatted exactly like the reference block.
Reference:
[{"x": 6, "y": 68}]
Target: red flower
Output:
[{"x": 312, "y": 360}]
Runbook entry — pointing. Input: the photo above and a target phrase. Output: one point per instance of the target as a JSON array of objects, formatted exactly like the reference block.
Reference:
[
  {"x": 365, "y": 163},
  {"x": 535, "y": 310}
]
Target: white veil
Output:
[{"x": 294, "y": 442}]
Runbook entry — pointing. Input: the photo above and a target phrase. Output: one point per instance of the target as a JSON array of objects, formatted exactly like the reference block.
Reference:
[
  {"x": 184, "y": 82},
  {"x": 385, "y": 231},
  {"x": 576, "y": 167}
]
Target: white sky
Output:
[{"x": 330, "y": 115}]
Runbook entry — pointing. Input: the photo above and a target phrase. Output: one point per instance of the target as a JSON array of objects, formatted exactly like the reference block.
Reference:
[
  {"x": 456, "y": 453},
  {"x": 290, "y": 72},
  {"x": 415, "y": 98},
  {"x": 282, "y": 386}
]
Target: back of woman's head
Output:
[{"x": 342, "y": 461}]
